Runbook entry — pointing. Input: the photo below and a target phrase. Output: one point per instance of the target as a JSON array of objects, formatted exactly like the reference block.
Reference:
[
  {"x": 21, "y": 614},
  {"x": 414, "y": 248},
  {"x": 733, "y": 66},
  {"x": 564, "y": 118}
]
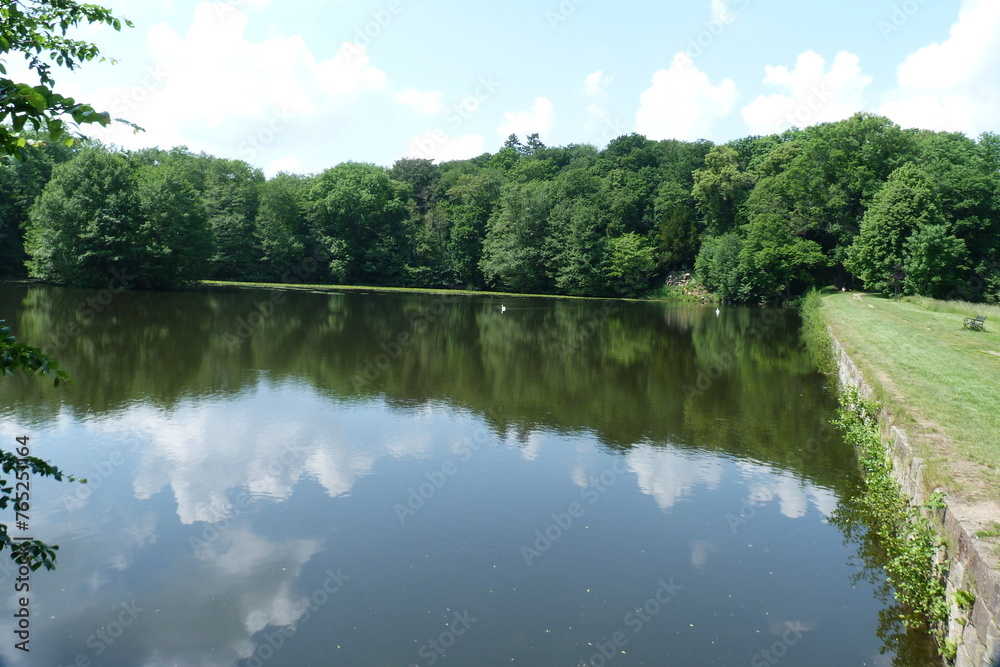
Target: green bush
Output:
[{"x": 909, "y": 540}]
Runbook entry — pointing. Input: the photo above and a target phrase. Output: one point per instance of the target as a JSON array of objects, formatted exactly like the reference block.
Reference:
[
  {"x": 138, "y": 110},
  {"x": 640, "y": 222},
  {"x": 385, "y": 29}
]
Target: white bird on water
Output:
[
  {"x": 717, "y": 311},
  {"x": 503, "y": 308}
]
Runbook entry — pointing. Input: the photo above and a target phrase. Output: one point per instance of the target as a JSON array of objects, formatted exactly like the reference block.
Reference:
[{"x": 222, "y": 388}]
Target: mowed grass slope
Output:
[{"x": 941, "y": 381}]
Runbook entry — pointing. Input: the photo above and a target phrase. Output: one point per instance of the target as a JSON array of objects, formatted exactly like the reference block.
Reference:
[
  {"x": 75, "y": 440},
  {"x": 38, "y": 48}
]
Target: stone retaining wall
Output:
[{"x": 972, "y": 567}]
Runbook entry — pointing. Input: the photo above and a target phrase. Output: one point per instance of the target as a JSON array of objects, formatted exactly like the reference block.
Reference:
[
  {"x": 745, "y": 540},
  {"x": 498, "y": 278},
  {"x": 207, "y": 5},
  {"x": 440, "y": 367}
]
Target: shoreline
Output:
[
  {"x": 681, "y": 299},
  {"x": 973, "y": 566},
  {"x": 327, "y": 288}
]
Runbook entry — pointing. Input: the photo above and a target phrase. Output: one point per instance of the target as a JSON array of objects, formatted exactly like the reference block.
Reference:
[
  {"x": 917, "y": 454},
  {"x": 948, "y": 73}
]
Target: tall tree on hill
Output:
[
  {"x": 84, "y": 227},
  {"x": 231, "y": 197},
  {"x": 720, "y": 190},
  {"x": 579, "y": 247},
  {"x": 21, "y": 183},
  {"x": 906, "y": 203},
  {"x": 630, "y": 152},
  {"x": 423, "y": 177},
  {"x": 281, "y": 227},
  {"x": 102, "y": 217},
  {"x": 577, "y": 235},
  {"x": 719, "y": 268},
  {"x": 853, "y": 158},
  {"x": 776, "y": 260},
  {"x": 937, "y": 263},
  {"x": 472, "y": 201},
  {"x": 677, "y": 230},
  {"x": 175, "y": 241},
  {"x": 630, "y": 266},
  {"x": 534, "y": 144},
  {"x": 677, "y": 160},
  {"x": 357, "y": 213},
  {"x": 966, "y": 181},
  {"x": 513, "y": 251}
]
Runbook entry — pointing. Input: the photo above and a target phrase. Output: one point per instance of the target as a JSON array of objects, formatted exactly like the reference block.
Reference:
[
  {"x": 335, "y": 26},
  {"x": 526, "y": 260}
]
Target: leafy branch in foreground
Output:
[
  {"x": 32, "y": 553},
  {"x": 39, "y": 31},
  {"x": 31, "y": 361}
]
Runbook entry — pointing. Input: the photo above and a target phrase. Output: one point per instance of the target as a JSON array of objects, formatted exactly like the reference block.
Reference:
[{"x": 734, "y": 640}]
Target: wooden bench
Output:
[{"x": 975, "y": 323}]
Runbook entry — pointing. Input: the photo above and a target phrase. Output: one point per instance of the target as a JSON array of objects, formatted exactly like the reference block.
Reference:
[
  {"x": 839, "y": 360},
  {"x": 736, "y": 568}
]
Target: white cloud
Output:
[
  {"x": 253, "y": 4},
  {"x": 522, "y": 123},
  {"x": 579, "y": 476},
  {"x": 214, "y": 89},
  {"x": 601, "y": 125},
  {"x": 594, "y": 85},
  {"x": 700, "y": 549},
  {"x": 809, "y": 94},
  {"x": 946, "y": 113},
  {"x": 248, "y": 451},
  {"x": 289, "y": 165},
  {"x": 951, "y": 85},
  {"x": 532, "y": 446},
  {"x": 255, "y": 580},
  {"x": 795, "y": 497},
  {"x": 668, "y": 475},
  {"x": 721, "y": 12},
  {"x": 436, "y": 145},
  {"x": 133, "y": 8},
  {"x": 683, "y": 103},
  {"x": 791, "y": 496},
  {"x": 969, "y": 52},
  {"x": 422, "y": 102}
]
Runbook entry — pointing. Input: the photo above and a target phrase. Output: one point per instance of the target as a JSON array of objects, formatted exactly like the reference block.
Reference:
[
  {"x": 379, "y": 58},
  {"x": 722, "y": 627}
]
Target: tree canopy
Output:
[{"x": 859, "y": 202}]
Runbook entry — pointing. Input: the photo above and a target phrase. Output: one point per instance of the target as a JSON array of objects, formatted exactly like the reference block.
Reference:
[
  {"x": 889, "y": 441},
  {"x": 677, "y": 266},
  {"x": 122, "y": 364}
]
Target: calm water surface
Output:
[{"x": 389, "y": 479}]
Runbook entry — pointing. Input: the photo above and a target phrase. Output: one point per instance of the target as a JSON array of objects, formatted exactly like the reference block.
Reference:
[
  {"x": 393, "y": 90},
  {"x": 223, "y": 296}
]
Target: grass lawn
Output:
[
  {"x": 940, "y": 381},
  {"x": 322, "y": 287},
  {"x": 669, "y": 295}
]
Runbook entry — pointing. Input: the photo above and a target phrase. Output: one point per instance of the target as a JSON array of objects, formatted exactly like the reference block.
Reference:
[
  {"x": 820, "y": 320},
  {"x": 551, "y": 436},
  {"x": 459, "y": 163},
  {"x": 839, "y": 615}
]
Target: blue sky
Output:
[{"x": 303, "y": 85}]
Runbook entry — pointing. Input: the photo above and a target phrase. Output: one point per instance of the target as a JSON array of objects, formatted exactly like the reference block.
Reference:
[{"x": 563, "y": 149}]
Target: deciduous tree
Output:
[
  {"x": 357, "y": 213},
  {"x": 905, "y": 203},
  {"x": 40, "y": 32},
  {"x": 84, "y": 227}
]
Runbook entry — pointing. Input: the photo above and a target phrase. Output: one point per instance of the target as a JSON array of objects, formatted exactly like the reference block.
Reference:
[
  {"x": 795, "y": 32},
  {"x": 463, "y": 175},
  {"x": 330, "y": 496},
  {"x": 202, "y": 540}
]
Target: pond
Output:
[{"x": 300, "y": 478}]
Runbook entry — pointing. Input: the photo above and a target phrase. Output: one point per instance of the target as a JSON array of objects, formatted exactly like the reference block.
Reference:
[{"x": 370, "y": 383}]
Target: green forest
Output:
[{"x": 859, "y": 203}]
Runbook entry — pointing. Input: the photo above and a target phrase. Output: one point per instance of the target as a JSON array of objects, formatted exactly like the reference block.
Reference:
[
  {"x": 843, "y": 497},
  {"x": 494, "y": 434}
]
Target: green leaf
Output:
[{"x": 41, "y": 32}]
